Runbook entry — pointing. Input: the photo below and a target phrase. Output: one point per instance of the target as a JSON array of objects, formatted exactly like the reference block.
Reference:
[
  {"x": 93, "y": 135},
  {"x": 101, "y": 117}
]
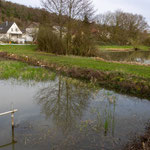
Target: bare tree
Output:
[
  {"x": 69, "y": 8},
  {"x": 122, "y": 26},
  {"x": 58, "y": 7},
  {"x": 73, "y": 11},
  {"x": 77, "y": 9}
]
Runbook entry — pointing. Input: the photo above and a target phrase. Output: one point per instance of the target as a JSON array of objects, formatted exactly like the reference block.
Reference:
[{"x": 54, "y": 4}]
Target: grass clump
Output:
[{"x": 19, "y": 70}]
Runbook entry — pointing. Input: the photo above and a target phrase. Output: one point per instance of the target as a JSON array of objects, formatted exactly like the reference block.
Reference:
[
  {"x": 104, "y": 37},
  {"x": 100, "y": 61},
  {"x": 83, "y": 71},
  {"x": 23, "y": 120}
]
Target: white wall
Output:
[
  {"x": 13, "y": 34},
  {"x": 30, "y": 34},
  {"x": 29, "y": 38},
  {"x": 32, "y": 31},
  {"x": 14, "y": 30},
  {"x": 3, "y": 36}
]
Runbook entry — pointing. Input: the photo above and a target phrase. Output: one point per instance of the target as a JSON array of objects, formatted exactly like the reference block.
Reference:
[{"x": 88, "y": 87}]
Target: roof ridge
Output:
[{"x": 5, "y": 26}]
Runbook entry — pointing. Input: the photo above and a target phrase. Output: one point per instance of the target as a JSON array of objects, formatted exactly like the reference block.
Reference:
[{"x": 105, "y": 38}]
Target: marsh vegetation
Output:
[{"x": 21, "y": 71}]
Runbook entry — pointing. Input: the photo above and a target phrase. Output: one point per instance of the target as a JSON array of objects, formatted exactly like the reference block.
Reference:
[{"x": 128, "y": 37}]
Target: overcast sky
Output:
[{"x": 134, "y": 6}]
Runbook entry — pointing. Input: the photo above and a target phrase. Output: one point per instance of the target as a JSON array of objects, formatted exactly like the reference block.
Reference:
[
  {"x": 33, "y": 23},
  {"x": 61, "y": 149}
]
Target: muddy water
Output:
[
  {"x": 133, "y": 56},
  {"x": 67, "y": 114}
]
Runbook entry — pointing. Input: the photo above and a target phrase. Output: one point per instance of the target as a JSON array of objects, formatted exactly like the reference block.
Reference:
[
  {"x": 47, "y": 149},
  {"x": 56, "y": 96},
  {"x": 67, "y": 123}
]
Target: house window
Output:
[
  {"x": 12, "y": 29},
  {"x": 16, "y": 30}
]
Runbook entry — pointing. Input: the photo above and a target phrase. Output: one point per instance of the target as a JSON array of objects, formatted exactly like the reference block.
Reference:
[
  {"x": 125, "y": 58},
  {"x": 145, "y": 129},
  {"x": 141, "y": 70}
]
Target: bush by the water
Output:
[
  {"x": 49, "y": 41},
  {"x": 81, "y": 43}
]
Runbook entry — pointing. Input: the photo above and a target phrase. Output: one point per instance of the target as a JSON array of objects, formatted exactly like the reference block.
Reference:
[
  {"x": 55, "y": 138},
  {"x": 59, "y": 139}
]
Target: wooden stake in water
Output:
[
  {"x": 12, "y": 124},
  {"x": 12, "y": 115}
]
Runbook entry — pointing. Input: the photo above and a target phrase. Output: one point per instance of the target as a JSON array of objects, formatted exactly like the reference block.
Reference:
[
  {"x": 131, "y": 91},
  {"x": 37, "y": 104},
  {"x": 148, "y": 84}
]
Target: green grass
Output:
[
  {"x": 19, "y": 49},
  {"x": 82, "y": 62},
  {"x": 125, "y": 47},
  {"x": 18, "y": 70}
]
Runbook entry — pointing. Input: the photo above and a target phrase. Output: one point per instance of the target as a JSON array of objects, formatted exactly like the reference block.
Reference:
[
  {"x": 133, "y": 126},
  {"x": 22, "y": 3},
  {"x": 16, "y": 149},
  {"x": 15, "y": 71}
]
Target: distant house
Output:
[
  {"x": 9, "y": 31},
  {"x": 30, "y": 33}
]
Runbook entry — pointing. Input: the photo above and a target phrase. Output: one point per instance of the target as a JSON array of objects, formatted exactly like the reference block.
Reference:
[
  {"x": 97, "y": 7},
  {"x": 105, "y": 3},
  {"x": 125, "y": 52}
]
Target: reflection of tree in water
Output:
[
  {"x": 135, "y": 56},
  {"x": 64, "y": 101},
  {"x": 138, "y": 56}
]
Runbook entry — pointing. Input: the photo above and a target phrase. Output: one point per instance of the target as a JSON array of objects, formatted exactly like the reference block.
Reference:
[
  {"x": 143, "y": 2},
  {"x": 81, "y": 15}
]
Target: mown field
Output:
[{"x": 74, "y": 61}]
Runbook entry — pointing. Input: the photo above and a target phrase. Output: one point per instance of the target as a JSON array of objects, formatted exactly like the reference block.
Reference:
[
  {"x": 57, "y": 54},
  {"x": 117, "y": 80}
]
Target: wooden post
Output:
[
  {"x": 12, "y": 119},
  {"x": 12, "y": 116},
  {"x": 12, "y": 124},
  {"x": 13, "y": 138},
  {"x": 8, "y": 112}
]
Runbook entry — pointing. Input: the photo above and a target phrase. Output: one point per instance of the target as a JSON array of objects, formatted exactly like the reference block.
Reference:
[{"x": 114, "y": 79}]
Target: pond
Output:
[
  {"x": 67, "y": 114},
  {"x": 131, "y": 56}
]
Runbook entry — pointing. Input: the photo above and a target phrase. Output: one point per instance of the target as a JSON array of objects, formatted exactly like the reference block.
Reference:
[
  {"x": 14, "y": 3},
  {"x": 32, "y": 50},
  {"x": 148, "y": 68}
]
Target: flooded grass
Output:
[{"x": 22, "y": 71}]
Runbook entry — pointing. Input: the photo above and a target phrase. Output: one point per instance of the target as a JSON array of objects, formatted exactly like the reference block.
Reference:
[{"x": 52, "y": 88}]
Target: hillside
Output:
[{"x": 23, "y": 15}]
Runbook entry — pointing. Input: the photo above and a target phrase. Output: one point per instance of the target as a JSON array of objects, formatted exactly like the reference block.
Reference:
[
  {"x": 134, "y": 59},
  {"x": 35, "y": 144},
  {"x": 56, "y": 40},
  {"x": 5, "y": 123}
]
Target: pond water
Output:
[
  {"x": 132, "y": 56},
  {"x": 67, "y": 114}
]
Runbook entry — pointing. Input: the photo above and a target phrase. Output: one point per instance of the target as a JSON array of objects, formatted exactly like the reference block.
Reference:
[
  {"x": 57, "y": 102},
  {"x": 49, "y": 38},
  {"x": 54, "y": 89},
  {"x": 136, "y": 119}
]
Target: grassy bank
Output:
[
  {"x": 126, "y": 78},
  {"x": 19, "y": 70},
  {"x": 121, "y": 48},
  {"x": 81, "y": 62}
]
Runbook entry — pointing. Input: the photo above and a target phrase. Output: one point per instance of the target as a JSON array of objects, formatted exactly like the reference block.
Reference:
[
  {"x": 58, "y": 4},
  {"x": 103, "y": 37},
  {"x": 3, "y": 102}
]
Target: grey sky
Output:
[{"x": 134, "y": 6}]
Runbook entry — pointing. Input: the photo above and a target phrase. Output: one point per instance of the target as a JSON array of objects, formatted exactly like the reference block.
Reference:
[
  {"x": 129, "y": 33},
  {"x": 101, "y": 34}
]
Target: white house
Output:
[
  {"x": 9, "y": 31},
  {"x": 31, "y": 31}
]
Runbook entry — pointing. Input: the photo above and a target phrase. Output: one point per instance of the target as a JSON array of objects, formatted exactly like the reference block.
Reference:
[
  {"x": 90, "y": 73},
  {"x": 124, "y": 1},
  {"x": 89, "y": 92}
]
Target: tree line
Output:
[
  {"x": 74, "y": 16},
  {"x": 23, "y": 15},
  {"x": 122, "y": 28},
  {"x": 79, "y": 27},
  {"x": 84, "y": 29}
]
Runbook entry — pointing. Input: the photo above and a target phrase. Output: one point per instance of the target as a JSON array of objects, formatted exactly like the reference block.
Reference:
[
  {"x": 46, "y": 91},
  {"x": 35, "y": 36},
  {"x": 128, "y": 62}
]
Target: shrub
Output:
[
  {"x": 49, "y": 41},
  {"x": 83, "y": 44},
  {"x": 147, "y": 41},
  {"x": 136, "y": 44}
]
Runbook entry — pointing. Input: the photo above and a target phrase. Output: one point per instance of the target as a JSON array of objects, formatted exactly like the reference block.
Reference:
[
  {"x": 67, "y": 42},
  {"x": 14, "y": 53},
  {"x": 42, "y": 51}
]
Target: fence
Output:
[{"x": 13, "y": 142}]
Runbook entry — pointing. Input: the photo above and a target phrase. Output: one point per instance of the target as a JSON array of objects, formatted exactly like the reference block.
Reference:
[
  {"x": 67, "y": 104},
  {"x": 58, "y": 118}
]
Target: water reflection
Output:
[
  {"x": 133, "y": 56},
  {"x": 13, "y": 141},
  {"x": 65, "y": 101},
  {"x": 78, "y": 116}
]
